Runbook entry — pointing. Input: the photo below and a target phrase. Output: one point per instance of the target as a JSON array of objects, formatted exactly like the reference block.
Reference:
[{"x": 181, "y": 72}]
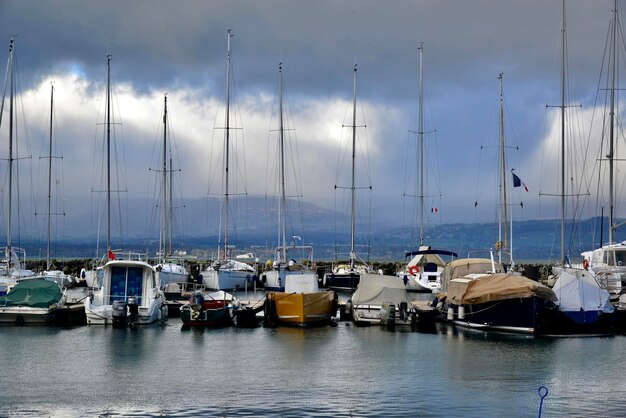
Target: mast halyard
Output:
[
  {"x": 50, "y": 177},
  {"x": 611, "y": 155},
  {"x": 353, "y": 188},
  {"x": 505, "y": 246},
  {"x": 282, "y": 213},
  {"x": 163, "y": 245},
  {"x": 421, "y": 145},
  {"x": 563, "y": 28},
  {"x": 11, "y": 94},
  {"x": 108, "y": 128},
  {"x": 227, "y": 145}
]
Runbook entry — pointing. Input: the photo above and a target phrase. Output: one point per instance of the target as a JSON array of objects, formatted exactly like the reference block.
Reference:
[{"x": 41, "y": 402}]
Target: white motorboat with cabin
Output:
[{"x": 129, "y": 292}]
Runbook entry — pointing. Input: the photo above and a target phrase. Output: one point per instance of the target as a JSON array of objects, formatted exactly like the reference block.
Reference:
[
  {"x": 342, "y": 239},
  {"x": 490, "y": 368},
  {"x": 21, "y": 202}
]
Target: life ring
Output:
[
  {"x": 414, "y": 270},
  {"x": 586, "y": 264}
]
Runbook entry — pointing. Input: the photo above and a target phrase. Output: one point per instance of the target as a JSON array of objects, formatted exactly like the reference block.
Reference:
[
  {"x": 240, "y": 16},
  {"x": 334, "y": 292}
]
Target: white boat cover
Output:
[
  {"x": 493, "y": 287},
  {"x": 376, "y": 289},
  {"x": 580, "y": 294}
]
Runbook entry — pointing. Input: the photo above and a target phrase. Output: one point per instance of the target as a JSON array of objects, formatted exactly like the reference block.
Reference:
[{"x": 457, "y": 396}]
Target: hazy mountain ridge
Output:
[{"x": 197, "y": 228}]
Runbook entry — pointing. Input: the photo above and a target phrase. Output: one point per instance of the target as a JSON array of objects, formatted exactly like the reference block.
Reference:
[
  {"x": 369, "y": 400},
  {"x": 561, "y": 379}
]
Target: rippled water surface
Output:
[{"x": 342, "y": 371}]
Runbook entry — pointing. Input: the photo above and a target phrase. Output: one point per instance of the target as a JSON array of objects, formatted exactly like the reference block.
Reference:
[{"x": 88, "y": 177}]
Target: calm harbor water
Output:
[{"x": 341, "y": 371}]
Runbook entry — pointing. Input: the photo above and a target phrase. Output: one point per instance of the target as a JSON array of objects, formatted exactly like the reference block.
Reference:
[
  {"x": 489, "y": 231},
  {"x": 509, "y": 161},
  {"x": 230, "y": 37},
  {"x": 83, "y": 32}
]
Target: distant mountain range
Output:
[{"x": 197, "y": 228}]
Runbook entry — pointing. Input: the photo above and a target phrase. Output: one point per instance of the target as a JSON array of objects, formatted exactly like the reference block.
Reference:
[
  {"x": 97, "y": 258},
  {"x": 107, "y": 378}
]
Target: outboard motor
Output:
[
  {"x": 120, "y": 314},
  {"x": 198, "y": 297},
  {"x": 133, "y": 310},
  {"x": 404, "y": 311}
]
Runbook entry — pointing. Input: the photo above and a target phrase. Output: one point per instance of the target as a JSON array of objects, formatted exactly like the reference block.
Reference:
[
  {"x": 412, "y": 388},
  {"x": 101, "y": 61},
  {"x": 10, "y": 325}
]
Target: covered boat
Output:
[
  {"x": 583, "y": 306},
  {"x": 381, "y": 299},
  {"x": 501, "y": 302},
  {"x": 424, "y": 270},
  {"x": 31, "y": 301}
]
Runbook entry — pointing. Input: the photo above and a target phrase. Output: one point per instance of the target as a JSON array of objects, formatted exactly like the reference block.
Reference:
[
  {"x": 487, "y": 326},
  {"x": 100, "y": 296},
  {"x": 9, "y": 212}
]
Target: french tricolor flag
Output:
[
  {"x": 517, "y": 182},
  {"x": 434, "y": 210}
]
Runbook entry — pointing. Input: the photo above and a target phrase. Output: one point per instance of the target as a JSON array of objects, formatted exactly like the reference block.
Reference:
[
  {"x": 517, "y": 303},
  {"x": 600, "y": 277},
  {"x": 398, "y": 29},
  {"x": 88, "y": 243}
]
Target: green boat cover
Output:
[{"x": 35, "y": 293}]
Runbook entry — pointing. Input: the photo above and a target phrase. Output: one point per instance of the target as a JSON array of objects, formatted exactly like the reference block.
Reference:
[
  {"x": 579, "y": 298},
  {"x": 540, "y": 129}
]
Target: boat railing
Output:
[
  {"x": 610, "y": 282},
  {"x": 130, "y": 255}
]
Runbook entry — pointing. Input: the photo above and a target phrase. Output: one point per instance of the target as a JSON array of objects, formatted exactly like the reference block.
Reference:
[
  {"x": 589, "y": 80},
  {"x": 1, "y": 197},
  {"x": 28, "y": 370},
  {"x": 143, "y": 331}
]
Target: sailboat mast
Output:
[
  {"x": 171, "y": 205},
  {"x": 227, "y": 146},
  {"x": 108, "y": 127},
  {"x": 353, "y": 188},
  {"x": 11, "y": 94},
  {"x": 421, "y": 145},
  {"x": 612, "y": 124},
  {"x": 283, "y": 199},
  {"x": 50, "y": 177},
  {"x": 503, "y": 165},
  {"x": 164, "y": 208},
  {"x": 563, "y": 139}
]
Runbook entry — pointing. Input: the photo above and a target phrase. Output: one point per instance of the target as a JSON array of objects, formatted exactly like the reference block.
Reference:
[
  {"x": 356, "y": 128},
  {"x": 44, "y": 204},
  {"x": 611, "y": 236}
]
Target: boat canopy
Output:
[
  {"x": 34, "y": 293},
  {"x": 464, "y": 266},
  {"x": 429, "y": 251},
  {"x": 578, "y": 294},
  {"x": 376, "y": 289},
  {"x": 494, "y": 287}
]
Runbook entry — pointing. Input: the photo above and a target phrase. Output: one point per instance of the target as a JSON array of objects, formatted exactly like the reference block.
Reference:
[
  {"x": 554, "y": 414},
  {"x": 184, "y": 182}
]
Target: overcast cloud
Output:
[{"x": 179, "y": 48}]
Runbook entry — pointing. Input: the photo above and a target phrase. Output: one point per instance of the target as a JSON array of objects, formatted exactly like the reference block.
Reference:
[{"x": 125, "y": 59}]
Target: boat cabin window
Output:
[
  {"x": 609, "y": 258},
  {"x": 125, "y": 282},
  {"x": 620, "y": 258}
]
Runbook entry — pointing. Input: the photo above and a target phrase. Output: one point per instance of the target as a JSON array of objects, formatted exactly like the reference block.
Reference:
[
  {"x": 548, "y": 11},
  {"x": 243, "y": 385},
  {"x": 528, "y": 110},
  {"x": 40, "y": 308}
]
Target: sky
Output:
[{"x": 179, "y": 48}]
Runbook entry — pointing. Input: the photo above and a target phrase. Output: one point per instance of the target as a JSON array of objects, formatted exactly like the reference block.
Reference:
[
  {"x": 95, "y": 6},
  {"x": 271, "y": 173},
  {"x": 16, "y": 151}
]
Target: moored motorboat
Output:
[
  {"x": 209, "y": 310},
  {"x": 424, "y": 270},
  {"x": 499, "y": 302},
  {"x": 31, "y": 301},
  {"x": 382, "y": 299},
  {"x": 129, "y": 295}
]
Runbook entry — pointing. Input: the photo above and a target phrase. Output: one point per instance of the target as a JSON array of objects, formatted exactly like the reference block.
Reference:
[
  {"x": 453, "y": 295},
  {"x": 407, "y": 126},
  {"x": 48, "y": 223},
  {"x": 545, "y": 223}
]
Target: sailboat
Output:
[
  {"x": 11, "y": 268},
  {"x": 346, "y": 276},
  {"x": 498, "y": 301},
  {"x": 227, "y": 273},
  {"x": 585, "y": 291},
  {"x": 423, "y": 271},
  {"x": 169, "y": 271},
  {"x": 58, "y": 276},
  {"x": 129, "y": 292},
  {"x": 300, "y": 301},
  {"x": 607, "y": 264}
]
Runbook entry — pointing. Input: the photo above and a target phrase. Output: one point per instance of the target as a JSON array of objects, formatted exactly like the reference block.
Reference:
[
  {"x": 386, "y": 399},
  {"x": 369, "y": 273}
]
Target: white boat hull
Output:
[
  {"x": 227, "y": 279},
  {"x": 23, "y": 315}
]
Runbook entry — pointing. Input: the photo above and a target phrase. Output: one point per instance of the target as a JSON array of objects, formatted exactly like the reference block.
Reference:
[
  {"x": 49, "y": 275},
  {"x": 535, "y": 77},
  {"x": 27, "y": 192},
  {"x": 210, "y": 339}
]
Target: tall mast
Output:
[
  {"x": 12, "y": 91},
  {"x": 108, "y": 124},
  {"x": 353, "y": 188},
  {"x": 283, "y": 199},
  {"x": 227, "y": 145},
  {"x": 164, "y": 208},
  {"x": 503, "y": 167},
  {"x": 421, "y": 145},
  {"x": 563, "y": 139},
  {"x": 50, "y": 177},
  {"x": 612, "y": 124},
  {"x": 171, "y": 234}
]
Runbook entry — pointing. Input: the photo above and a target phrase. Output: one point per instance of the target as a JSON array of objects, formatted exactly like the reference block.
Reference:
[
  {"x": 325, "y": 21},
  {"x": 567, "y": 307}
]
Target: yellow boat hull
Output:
[{"x": 302, "y": 309}]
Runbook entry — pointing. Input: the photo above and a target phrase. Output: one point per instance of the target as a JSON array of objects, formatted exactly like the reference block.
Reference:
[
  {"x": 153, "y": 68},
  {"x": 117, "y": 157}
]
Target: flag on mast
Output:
[{"x": 517, "y": 182}]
